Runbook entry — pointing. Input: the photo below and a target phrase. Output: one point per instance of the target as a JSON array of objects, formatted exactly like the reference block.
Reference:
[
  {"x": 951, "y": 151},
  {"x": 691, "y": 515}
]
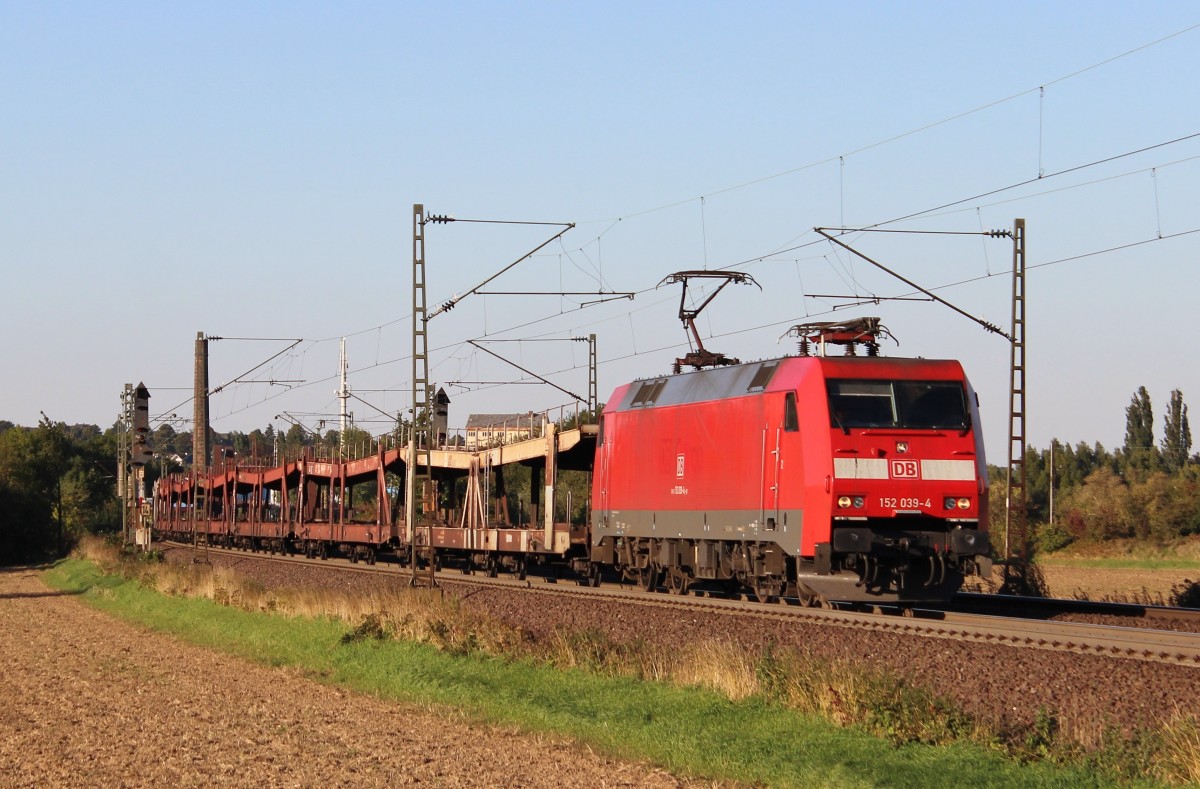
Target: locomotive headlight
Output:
[
  {"x": 859, "y": 502},
  {"x": 964, "y": 503},
  {"x": 950, "y": 503},
  {"x": 844, "y": 502}
]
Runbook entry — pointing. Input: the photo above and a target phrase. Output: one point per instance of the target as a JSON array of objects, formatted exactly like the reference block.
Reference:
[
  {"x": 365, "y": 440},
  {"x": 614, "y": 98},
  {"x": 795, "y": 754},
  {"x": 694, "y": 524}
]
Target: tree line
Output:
[
  {"x": 59, "y": 482},
  {"x": 1145, "y": 490}
]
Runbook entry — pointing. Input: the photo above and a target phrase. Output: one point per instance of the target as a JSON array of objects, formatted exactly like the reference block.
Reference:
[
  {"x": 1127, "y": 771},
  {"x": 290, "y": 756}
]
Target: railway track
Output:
[
  {"x": 1126, "y": 643},
  {"x": 1048, "y": 607}
]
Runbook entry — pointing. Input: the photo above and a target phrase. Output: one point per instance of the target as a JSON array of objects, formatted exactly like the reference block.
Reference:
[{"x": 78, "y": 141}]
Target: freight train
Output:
[{"x": 811, "y": 477}]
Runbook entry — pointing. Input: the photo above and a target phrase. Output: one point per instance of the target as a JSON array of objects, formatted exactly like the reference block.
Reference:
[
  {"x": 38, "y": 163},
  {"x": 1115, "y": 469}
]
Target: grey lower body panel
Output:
[{"x": 781, "y": 527}]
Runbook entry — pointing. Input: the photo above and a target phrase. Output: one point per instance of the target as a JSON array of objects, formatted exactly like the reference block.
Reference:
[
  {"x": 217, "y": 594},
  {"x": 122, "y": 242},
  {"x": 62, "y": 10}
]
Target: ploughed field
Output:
[
  {"x": 1000, "y": 684},
  {"x": 1095, "y": 583},
  {"x": 92, "y": 701}
]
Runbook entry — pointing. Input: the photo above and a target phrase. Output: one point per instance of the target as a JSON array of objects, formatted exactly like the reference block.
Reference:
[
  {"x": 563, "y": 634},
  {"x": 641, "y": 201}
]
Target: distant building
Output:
[{"x": 489, "y": 430}]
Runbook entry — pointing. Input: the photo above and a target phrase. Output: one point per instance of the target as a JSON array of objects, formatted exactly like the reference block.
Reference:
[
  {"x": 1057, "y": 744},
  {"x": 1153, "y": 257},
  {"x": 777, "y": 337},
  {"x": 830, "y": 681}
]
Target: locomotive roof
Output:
[{"x": 739, "y": 380}]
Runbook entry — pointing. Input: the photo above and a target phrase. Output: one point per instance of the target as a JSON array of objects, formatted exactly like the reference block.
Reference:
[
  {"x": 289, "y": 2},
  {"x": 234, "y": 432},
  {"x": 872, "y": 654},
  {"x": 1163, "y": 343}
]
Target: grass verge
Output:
[
  {"x": 1118, "y": 563},
  {"x": 755, "y": 739}
]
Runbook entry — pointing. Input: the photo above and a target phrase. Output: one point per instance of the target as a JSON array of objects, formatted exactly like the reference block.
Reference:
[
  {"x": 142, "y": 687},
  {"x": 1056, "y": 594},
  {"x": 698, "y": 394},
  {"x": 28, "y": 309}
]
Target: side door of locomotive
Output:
[
  {"x": 780, "y": 418},
  {"x": 606, "y": 439}
]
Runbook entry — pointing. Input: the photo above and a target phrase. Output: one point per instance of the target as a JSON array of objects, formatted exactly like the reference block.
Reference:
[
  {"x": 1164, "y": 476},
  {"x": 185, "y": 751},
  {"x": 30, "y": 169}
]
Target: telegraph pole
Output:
[
  {"x": 419, "y": 451},
  {"x": 343, "y": 394},
  {"x": 1015, "y": 513},
  {"x": 421, "y": 442}
]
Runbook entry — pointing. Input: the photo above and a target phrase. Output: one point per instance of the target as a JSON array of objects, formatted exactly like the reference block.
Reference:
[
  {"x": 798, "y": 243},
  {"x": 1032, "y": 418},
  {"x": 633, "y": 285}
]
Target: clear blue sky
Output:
[{"x": 249, "y": 170}]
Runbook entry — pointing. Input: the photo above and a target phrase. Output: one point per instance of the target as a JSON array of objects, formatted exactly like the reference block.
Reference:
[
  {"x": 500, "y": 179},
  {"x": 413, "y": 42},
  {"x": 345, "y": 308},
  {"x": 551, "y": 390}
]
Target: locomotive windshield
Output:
[{"x": 924, "y": 405}]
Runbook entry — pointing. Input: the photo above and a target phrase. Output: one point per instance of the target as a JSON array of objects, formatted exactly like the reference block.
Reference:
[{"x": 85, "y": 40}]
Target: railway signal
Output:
[{"x": 140, "y": 453}]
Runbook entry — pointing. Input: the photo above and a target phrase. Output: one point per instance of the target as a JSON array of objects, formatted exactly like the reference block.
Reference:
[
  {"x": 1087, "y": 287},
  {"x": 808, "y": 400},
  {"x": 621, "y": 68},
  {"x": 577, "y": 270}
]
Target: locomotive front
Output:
[{"x": 907, "y": 483}]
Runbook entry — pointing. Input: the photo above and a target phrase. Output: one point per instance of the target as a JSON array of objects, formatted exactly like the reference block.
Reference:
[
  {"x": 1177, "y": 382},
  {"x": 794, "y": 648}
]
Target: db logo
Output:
[
  {"x": 679, "y": 466},
  {"x": 905, "y": 469}
]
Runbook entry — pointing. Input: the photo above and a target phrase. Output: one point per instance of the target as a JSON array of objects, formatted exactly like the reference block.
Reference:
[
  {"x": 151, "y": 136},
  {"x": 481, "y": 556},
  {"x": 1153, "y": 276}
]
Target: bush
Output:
[
  {"x": 1186, "y": 594},
  {"x": 1051, "y": 537}
]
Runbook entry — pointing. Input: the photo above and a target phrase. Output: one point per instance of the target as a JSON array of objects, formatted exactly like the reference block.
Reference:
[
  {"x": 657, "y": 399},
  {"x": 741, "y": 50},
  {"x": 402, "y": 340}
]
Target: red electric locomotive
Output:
[{"x": 855, "y": 478}]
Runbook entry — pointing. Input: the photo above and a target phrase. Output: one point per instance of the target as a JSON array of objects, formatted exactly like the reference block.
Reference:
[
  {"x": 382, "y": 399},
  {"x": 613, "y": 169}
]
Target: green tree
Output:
[
  {"x": 33, "y": 462},
  {"x": 1177, "y": 433},
  {"x": 1099, "y": 509},
  {"x": 293, "y": 441},
  {"x": 1139, "y": 432}
]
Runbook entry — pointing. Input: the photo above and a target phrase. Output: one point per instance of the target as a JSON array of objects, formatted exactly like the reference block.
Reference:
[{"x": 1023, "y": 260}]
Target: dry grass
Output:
[
  {"x": 1181, "y": 750},
  {"x": 720, "y": 666},
  {"x": 423, "y": 615}
]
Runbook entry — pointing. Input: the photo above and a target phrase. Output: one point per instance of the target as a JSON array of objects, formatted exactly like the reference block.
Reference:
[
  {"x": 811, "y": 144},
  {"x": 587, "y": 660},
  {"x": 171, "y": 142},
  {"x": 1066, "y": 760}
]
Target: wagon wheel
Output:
[
  {"x": 594, "y": 571},
  {"x": 521, "y": 567},
  {"x": 491, "y": 567},
  {"x": 371, "y": 556},
  {"x": 647, "y": 578},
  {"x": 678, "y": 581}
]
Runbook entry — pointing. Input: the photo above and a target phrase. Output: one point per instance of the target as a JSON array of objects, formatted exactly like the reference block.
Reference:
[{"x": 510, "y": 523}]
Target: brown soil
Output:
[
  {"x": 1140, "y": 586},
  {"x": 90, "y": 701}
]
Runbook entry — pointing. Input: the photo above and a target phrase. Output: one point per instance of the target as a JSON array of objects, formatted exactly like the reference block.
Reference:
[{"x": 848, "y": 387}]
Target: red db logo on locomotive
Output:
[{"x": 905, "y": 469}]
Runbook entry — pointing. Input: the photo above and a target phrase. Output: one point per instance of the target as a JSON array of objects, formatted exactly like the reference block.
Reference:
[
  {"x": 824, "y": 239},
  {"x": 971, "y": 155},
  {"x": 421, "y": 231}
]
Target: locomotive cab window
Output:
[
  {"x": 791, "y": 420},
  {"x": 921, "y": 405}
]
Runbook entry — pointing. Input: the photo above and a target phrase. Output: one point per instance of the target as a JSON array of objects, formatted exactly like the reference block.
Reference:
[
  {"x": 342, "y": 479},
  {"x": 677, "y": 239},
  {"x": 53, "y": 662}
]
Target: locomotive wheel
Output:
[
  {"x": 814, "y": 601},
  {"x": 766, "y": 588},
  {"x": 678, "y": 581}
]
